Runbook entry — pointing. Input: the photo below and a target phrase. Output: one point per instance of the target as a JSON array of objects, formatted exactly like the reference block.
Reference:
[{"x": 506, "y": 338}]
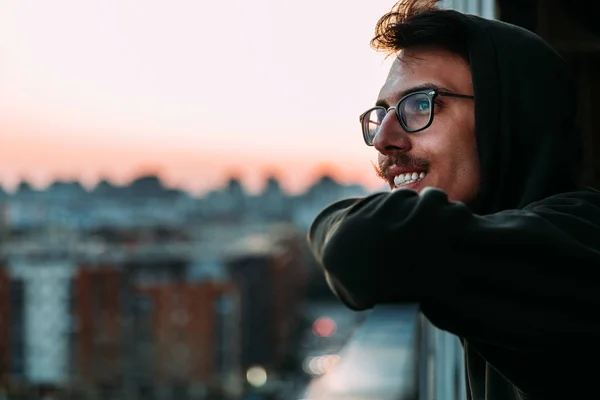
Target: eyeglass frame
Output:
[{"x": 431, "y": 94}]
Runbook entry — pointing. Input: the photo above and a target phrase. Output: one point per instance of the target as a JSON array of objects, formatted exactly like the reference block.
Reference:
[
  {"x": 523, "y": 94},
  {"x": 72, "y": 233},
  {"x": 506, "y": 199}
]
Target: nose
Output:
[{"x": 391, "y": 138}]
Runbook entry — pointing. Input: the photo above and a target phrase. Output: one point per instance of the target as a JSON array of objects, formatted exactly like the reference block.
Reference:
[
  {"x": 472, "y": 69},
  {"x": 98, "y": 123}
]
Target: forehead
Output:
[{"x": 413, "y": 68}]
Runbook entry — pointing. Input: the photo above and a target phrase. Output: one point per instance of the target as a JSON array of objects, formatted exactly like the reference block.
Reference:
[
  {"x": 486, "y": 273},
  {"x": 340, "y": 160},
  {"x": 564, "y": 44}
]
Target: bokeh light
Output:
[
  {"x": 324, "y": 327},
  {"x": 320, "y": 365},
  {"x": 256, "y": 376}
]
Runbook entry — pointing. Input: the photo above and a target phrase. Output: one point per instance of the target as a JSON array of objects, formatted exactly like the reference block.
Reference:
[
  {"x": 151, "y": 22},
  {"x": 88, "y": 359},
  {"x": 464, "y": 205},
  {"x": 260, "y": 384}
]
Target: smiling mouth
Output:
[{"x": 406, "y": 179}]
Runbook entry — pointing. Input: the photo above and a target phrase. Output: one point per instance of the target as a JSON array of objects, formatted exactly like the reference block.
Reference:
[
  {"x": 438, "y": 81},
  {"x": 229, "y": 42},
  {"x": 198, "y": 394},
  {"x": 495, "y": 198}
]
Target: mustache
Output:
[{"x": 403, "y": 161}]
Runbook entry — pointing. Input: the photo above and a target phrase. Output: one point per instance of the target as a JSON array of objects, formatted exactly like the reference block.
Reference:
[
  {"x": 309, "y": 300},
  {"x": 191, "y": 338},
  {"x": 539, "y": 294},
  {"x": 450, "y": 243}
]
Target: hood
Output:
[{"x": 528, "y": 144}]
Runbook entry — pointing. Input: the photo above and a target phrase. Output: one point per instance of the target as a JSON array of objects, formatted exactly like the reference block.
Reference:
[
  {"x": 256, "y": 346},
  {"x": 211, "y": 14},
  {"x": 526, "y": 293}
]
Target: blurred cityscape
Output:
[{"x": 145, "y": 292}]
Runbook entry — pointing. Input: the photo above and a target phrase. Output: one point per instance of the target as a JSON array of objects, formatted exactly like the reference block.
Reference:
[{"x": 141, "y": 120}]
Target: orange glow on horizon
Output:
[{"x": 44, "y": 160}]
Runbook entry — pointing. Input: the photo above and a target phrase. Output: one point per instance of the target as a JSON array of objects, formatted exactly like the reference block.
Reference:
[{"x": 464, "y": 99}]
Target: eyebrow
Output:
[{"x": 423, "y": 86}]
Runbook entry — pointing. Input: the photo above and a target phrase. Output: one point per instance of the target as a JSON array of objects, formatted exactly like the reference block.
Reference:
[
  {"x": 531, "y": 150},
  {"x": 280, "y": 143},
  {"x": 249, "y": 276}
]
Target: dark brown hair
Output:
[{"x": 420, "y": 23}]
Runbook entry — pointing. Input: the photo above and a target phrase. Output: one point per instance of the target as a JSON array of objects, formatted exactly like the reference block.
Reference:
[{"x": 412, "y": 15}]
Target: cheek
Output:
[
  {"x": 452, "y": 151},
  {"x": 455, "y": 166},
  {"x": 466, "y": 167}
]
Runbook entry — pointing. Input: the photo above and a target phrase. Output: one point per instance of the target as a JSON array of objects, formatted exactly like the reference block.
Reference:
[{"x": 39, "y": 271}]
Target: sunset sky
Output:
[{"x": 192, "y": 89}]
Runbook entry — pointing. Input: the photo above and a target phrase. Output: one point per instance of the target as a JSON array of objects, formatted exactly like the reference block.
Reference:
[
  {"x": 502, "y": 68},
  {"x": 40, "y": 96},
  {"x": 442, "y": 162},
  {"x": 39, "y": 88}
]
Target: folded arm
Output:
[{"x": 496, "y": 278}]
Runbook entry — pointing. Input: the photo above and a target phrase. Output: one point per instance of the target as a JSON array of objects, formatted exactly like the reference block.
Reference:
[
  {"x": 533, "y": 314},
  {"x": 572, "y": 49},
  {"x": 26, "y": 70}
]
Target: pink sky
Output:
[{"x": 192, "y": 89}]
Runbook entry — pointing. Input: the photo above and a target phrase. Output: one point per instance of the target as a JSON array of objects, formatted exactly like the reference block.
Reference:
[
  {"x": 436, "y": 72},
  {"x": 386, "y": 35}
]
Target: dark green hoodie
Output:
[{"x": 516, "y": 276}]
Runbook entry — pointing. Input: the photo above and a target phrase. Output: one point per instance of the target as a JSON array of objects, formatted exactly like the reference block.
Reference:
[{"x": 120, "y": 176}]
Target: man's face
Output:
[{"x": 444, "y": 155}]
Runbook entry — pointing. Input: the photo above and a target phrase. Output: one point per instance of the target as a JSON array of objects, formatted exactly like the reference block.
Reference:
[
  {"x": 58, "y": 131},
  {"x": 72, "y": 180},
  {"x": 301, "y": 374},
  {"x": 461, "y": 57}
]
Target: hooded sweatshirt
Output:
[{"x": 515, "y": 276}]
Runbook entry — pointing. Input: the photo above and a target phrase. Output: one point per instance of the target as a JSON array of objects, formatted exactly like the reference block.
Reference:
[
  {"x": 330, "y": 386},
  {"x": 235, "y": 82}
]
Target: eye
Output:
[
  {"x": 415, "y": 112},
  {"x": 417, "y": 104},
  {"x": 423, "y": 105}
]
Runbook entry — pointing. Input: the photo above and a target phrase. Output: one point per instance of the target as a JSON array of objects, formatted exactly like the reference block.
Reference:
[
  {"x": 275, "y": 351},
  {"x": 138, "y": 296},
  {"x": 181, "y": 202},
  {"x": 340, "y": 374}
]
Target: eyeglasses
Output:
[{"x": 414, "y": 112}]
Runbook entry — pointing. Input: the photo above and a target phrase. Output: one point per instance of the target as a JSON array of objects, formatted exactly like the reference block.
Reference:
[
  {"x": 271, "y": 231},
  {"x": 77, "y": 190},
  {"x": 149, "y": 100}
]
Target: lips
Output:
[
  {"x": 399, "y": 177},
  {"x": 402, "y": 170}
]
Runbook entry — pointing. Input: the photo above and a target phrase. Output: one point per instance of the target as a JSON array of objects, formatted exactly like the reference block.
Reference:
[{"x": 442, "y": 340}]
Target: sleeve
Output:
[{"x": 513, "y": 278}]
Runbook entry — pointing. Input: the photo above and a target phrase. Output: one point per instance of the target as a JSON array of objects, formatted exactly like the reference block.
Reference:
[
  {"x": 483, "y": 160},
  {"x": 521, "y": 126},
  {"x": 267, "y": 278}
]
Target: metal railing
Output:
[{"x": 396, "y": 354}]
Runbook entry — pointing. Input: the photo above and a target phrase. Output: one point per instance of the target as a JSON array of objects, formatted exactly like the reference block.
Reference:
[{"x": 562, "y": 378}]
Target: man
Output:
[{"x": 486, "y": 226}]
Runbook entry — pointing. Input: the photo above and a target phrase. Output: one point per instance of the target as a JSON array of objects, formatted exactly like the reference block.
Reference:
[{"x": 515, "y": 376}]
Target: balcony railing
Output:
[{"x": 396, "y": 354}]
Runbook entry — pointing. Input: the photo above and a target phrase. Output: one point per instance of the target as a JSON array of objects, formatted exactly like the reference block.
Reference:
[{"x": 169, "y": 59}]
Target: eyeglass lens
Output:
[{"x": 414, "y": 111}]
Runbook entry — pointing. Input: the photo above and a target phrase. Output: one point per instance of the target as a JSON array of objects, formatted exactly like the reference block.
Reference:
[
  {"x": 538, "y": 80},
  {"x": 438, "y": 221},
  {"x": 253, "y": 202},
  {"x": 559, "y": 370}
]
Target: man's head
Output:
[
  {"x": 444, "y": 154},
  {"x": 511, "y": 143},
  {"x": 428, "y": 136}
]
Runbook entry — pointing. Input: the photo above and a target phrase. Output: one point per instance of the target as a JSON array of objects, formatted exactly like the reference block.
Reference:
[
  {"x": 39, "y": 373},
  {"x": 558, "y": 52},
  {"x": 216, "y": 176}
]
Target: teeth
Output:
[{"x": 404, "y": 179}]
